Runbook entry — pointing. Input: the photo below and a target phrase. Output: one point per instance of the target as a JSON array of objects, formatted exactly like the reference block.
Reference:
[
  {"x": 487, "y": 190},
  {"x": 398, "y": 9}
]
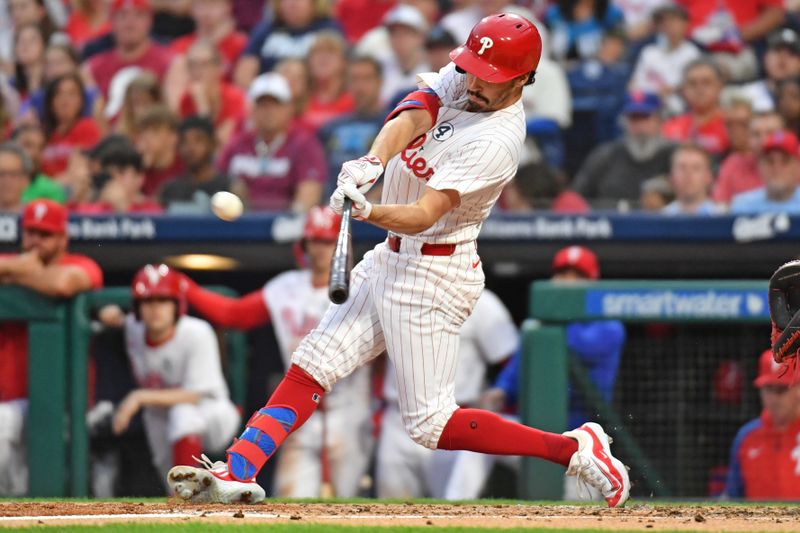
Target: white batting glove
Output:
[
  {"x": 362, "y": 172},
  {"x": 361, "y": 206}
]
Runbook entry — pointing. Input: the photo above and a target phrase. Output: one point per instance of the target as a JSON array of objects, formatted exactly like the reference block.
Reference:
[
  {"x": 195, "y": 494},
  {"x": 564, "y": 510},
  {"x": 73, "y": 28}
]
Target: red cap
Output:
[
  {"x": 143, "y": 5},
  {"x": 772, "y": 373},
  {"x": 782, "y": 140},
  {"x": 581, "y": 259},
  {"x": 499, "y": 48},
  {"x": 321, "y": 224},
  {"x": 159, "y": 281},
  {"x": 45, "y": 215}
]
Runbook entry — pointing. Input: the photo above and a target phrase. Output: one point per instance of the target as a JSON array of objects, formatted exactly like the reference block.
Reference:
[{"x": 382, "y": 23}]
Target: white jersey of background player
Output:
[
  {"x": 176, "y": 363},
  {"x": 445, "y": 168},
  {"x": 406, "y": 469},
  {"x": 294, "y": 302}
]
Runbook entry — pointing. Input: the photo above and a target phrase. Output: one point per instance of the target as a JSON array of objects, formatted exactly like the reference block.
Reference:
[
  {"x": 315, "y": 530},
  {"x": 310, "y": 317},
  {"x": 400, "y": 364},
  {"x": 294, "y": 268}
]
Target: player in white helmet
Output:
[{"x": 447, "y": 150}]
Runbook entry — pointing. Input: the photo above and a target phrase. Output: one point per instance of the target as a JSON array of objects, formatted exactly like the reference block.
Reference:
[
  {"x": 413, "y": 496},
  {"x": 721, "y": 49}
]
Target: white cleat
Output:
[
  {"x": 212, "y": 484},
  {"x": 594, "y": 465}
]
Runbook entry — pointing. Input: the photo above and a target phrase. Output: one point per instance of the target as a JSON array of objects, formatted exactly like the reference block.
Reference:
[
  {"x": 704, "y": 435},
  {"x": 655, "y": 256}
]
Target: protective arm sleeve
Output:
[
  {"x": 593, "y": 341},
  {"x": 508, "y": 379},
  {"x": 246, "y": 312}
]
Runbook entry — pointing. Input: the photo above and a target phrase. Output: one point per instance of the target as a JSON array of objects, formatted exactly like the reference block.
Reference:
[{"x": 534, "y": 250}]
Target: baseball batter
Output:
[
  {"x": 332, "y": 449},
  {"x": 407, "y": 470},
  {"x": 448, "y": 150},
  {"x": 176, "y": 363}
]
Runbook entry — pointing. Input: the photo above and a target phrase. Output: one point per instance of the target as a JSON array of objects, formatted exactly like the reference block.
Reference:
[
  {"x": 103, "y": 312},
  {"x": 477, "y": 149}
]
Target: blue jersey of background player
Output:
[{"x": 598, "y": 344}]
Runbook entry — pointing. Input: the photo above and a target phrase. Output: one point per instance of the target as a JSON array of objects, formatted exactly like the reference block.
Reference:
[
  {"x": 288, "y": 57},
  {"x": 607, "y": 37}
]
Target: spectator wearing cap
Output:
[
  {"x": 327, "y": 69},
  {"x": 208, "y": 94},
  {"x": 157, "y": 141},
  {"x": 739, "y": 171},
  {"x": 289, "y": 34},
  {"x": 691, "y": 176},
  {"x": 781, "y": 62},
  {"x": 438, "y": 45},
  {"x": 659, "y": 67},
  {"x": 44, "y": 266},
  {"x": 764, "y": 453},
  {"x": 30, "y": 138},
  {"x": 703, "y": 123},
  {"x": 131, "y": 21},
  {"x": 779, "y": 167},
  {"x": 214, "y": 23},
  {"x": 192, "y": 191},
  {"x": 274, "y": 165},
  {"x": 655, "y": 194},
  {"x": 346, "y": 138},
  {"x": 407, "y": 28},
  {"x": 65, "y": 127},
  {"x": 577, "y": 27},
  {"x": 122, "y": 191},
  {"x": 615, "y": 170}
]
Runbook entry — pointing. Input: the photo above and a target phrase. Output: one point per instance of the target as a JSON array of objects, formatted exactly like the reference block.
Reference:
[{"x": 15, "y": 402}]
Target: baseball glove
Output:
[{"x": 784, "y": 309}]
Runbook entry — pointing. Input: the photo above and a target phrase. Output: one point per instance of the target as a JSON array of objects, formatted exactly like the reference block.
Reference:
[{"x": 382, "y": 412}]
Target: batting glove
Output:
[
  {"x": 362, "y": 172},
  {"x": 361, "y": 206}
]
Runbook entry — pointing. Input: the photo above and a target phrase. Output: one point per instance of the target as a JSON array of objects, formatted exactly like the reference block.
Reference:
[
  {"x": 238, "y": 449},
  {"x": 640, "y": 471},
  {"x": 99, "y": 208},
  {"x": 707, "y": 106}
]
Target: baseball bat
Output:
[{"x": 342, "y": 261}]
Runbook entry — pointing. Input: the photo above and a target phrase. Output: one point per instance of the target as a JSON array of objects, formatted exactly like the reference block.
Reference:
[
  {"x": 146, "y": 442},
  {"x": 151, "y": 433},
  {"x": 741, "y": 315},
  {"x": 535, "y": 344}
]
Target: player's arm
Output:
[
  {"x": 401, "y": 128},
  {"x": 139, "y": 398},
  {"x": 417, "y": 217},
  {"x": 58, "y": 281},
  {"x": 246, "y": 312}
]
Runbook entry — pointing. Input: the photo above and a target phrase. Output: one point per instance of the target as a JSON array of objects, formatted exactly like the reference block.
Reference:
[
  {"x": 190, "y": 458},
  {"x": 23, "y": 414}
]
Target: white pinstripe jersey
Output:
[{"x": 476, "y": 154}]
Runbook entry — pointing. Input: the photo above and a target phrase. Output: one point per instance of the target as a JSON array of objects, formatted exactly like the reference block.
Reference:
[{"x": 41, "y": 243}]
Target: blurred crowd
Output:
[{"x": 148, "y": 106}]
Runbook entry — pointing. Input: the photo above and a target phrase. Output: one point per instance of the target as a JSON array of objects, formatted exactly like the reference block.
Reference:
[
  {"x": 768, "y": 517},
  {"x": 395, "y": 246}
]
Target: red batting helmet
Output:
[
  {"x": 579, "y": 258},
  {"x": 322, "y": 224},
  {"x": 159, "y": 281},
  {"x": 499, "y": 48}
]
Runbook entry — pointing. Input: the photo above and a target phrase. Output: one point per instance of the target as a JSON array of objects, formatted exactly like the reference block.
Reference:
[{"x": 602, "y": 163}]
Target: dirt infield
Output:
[{"x": 635, "y": 517}]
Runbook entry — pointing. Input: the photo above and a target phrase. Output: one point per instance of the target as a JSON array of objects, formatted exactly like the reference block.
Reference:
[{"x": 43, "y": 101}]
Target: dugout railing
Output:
[
  {"x": 59, "y": 339},
  {"x": 682, "y": 366}
]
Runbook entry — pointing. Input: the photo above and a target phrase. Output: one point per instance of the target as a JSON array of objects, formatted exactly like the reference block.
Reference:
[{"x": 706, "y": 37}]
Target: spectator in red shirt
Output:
[
  {"x": 157, "y": 140},
  {"x": 754, "y": 19},
  {"x": 46, "y": 267},
  {"x": 275, "y": 166},
  {"x": 209, "y": 95},
  {"x": 703, "y": 123},
  {"x": 131, "y": 21},
  {"x": 766, "y": 450},
  {"x": 327, "y": 65},
  {"x": 29, "y": 46},
  {"x": 65, "y": 127},
  {"x": 213, "y": 20},
  {"x": 122, "y": 193},
  {"x": 88, "y": 19},
  {"x": 739, "y": 171}
]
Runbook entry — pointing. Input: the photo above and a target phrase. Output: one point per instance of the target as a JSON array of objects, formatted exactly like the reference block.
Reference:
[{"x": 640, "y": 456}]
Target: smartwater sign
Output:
[{"x": 686, "y": 304}]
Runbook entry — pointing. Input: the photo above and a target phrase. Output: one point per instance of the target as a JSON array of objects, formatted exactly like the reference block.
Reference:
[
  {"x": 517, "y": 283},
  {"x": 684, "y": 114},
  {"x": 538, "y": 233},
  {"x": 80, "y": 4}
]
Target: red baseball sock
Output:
[
  {"x": 185, "y": 448},
  {"x": 299, "y": 391},
  {"x": 486, "y": 432}
]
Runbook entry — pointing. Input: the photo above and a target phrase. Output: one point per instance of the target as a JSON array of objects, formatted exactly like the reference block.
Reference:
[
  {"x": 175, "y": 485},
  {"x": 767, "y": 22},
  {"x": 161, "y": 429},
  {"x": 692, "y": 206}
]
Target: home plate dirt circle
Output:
[{"x": 645, "y": 517}]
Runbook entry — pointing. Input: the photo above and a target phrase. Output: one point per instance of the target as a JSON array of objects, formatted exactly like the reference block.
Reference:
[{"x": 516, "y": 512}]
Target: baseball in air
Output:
[{"x": 226, "y": 205}]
